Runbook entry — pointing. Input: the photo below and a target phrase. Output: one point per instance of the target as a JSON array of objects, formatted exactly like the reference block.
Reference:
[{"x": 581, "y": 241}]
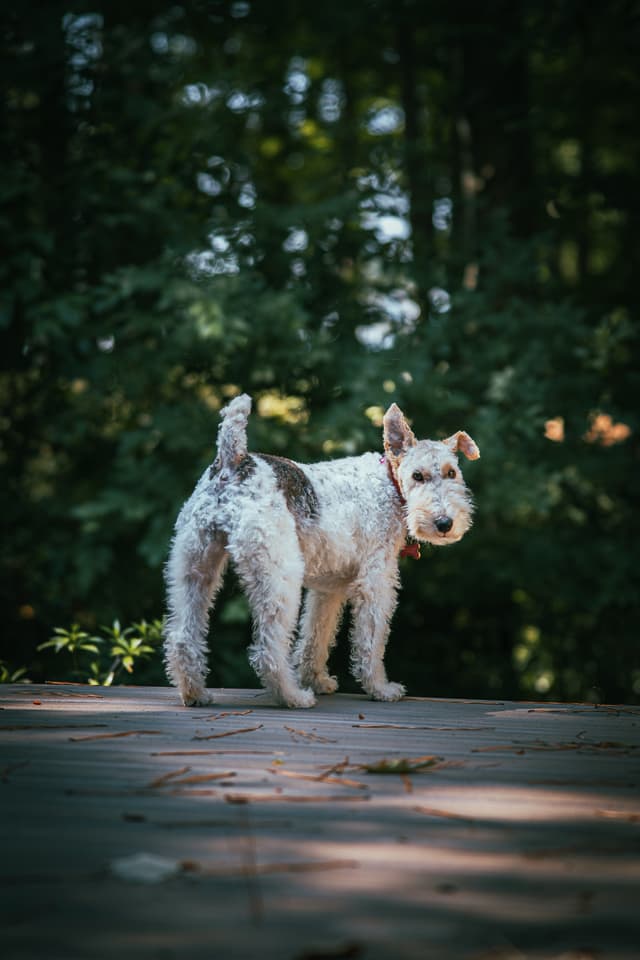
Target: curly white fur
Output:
[{"x": 334, "y": 529}]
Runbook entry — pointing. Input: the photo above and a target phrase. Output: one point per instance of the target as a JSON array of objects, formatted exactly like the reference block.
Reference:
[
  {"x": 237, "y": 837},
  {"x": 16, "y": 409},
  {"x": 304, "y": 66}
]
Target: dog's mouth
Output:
[
  {"x": 439, "y": 539},
  {"x": 428, "y": 533}
]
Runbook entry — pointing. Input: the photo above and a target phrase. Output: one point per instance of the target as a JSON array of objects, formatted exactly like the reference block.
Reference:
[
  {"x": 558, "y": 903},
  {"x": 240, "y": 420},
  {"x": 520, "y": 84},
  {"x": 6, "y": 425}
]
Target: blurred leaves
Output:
[{"x": 332, "y": 208}]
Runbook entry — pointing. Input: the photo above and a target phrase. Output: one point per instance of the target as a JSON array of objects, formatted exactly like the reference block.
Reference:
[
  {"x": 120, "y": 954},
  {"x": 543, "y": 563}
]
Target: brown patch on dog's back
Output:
[
  {"x": 245, "y": 468},
  {"x": 298, "y": 490}
]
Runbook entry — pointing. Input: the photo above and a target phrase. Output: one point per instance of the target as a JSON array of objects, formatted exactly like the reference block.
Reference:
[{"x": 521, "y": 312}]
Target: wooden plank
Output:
[{"x": 479, "y": 830}]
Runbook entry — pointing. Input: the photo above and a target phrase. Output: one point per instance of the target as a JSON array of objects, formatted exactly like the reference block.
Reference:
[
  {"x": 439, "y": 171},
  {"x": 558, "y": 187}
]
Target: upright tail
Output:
[{"x": 232, "y": 432}]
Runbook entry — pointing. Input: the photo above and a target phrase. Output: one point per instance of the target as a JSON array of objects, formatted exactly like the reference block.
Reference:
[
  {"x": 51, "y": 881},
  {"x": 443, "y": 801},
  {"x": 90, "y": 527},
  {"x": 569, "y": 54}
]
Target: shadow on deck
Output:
[{"x": 135, "y": 828}]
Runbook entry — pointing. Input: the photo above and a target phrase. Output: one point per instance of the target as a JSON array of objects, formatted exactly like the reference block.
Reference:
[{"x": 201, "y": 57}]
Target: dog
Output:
[{"x": 334, "y": 529}]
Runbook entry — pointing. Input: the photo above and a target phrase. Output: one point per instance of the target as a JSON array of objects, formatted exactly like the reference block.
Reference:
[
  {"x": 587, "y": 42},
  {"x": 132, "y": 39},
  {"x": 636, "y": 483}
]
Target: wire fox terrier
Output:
[{"x": 335, "y": 528}]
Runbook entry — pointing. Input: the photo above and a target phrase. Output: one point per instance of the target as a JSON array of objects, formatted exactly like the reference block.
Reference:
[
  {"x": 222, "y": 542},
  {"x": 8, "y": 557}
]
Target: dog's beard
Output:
[{"x": 421, "y": 526}]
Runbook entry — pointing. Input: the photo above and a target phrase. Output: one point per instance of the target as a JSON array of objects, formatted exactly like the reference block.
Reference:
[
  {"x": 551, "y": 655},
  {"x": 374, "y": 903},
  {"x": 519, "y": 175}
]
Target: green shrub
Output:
[{"x": 100, "y": 659}]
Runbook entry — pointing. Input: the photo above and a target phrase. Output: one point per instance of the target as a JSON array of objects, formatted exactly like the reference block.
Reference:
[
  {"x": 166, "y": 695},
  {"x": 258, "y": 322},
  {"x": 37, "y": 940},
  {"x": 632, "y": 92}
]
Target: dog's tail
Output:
[{"x": 232, "y": 432}]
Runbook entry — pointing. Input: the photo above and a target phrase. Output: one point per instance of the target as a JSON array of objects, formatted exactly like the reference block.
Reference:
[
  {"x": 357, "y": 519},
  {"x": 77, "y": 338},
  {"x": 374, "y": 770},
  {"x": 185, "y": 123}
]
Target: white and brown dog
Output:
[{"x": 336, "y": 529}]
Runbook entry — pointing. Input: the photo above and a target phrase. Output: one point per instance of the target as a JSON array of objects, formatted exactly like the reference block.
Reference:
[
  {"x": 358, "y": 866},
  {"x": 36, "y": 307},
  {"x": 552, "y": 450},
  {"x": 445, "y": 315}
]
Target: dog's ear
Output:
[
  {"x": 462, "y": 441},
  {"x": 398, "y": 435}
]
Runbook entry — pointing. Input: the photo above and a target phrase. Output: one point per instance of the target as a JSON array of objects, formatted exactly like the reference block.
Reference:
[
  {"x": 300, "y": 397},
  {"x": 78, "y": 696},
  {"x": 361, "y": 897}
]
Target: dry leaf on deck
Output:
[{"x": 400, "y": 764}]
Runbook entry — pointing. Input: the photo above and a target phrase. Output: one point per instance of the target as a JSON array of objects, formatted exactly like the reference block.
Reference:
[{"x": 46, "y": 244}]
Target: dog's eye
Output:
[
  {"x": 417, "y": 476},
  {"x": 451, "y": 473}
]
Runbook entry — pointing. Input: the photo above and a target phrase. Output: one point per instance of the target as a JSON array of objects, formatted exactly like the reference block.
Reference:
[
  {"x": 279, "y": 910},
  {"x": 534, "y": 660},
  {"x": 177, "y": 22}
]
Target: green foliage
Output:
[
  {"x": 117, "y": 649},
  {"x": 72, "y": 641},
  {"x": 331, "y": 207},
  {"x": 10, "y": 674}
]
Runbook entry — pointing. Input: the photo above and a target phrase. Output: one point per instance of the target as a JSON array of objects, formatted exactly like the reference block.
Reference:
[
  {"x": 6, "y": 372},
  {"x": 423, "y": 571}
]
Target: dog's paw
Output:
[
  {"x": 196, "y": 698},
  {"x": 388, "y": 691},
  {"x": 323, "y": 683},
  {"x": 301, "y": 699}
]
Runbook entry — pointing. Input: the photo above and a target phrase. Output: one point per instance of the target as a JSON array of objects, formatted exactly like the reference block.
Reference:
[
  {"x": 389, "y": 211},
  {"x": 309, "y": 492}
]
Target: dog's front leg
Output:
[
  {"x": 318, "y": 625},
  {"x": 373, "y": 602}
]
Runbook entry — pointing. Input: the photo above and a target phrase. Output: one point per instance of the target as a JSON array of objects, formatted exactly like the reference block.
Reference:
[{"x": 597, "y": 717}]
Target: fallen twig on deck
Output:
[
  {"x": 308, "y": 735},
  {"x": 70, "y": 693},
  {"x": 225, "y": 733},
  {"x": 406, "y": 779},
  {"x": 410, "y": 726},
  {"x": 321, "y": 778},
  {"x": 628, "y": 816},
  {"x": 339, "y": 767},
  {"x": 228, "y": 713},
  {"x": 200, "y": 753},
  {"x": 166, "y": 777},
  {"x": 202, "y": 778},
  {"x": 122, "y": 733},
  {"x": 434, "y": 812},
  {"x": 519, "y": 746}
]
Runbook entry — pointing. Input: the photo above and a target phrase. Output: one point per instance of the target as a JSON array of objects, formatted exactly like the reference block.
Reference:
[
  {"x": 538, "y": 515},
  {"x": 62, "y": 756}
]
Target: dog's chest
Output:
[{"x": 357, "y": 524}]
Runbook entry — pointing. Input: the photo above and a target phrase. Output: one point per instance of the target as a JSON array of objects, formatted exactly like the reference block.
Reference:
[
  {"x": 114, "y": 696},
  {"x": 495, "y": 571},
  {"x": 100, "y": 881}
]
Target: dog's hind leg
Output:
[
  {"x": 319, "y": 623},
  {"x": 272, "y": 577},
  {"x": 194, "y": 574}
]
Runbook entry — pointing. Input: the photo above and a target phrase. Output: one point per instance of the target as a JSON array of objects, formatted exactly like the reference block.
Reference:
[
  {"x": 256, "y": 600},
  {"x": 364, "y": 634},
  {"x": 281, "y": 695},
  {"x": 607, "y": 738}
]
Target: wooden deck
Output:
[{"x": 134, "y": 828}]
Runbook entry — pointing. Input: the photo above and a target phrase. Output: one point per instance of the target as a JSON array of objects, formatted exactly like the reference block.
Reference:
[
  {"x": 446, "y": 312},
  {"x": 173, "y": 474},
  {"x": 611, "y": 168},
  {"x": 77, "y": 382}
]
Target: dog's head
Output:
[{"x": 439, "y": 505}]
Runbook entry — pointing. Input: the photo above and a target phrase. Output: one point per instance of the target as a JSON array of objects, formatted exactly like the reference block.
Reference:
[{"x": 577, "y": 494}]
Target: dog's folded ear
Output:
[
  {"x": 462, "y": 441},
  {"x": 398, "y": 435}
]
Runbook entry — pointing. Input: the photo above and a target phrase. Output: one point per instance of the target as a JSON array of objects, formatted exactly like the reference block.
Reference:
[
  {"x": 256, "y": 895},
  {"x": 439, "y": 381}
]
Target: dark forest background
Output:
[{"x": 331, "y": 206}]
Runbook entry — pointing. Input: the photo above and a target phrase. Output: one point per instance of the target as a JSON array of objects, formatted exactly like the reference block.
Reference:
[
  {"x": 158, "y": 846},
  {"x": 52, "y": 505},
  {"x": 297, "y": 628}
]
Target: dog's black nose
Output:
[{"x": 443, "y": 524}]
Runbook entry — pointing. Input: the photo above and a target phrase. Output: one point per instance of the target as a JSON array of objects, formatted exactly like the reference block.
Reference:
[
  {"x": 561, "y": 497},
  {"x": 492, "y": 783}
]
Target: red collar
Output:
[
  {"x": 411, "y": 547},
  {"x": 394, "y": 481}
]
